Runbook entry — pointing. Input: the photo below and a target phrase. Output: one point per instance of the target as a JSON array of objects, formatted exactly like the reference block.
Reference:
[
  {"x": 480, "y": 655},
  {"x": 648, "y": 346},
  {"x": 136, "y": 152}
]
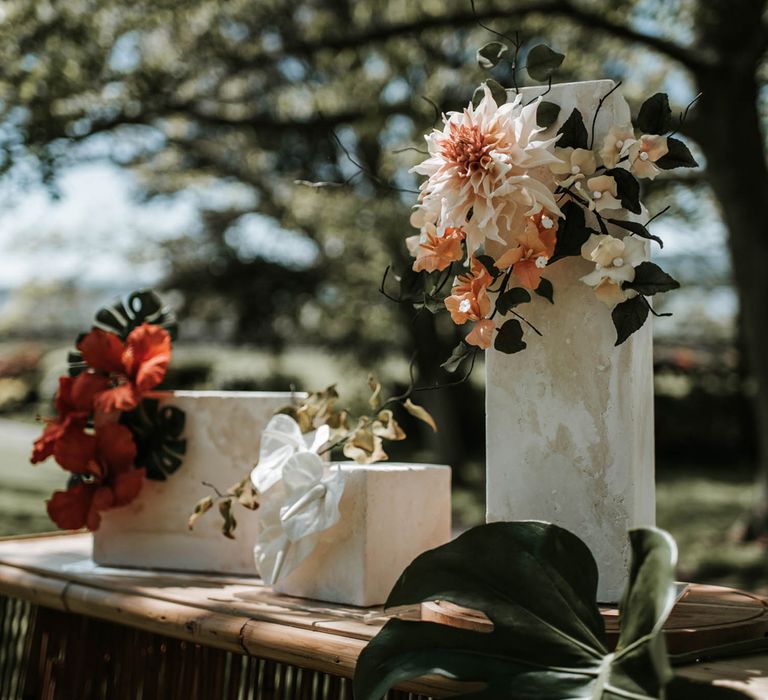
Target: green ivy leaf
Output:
[
  {"x": 546, "y": 290},
  {"x": 650, "y": 279},
  {"x": 547, "y": 113},
  {"x": 572, "y": 232},
  {"x": 628, "y": 189},
  {"x": 637, "y": 228},
  {"x": 509, "y": 339},
  {"x": 160, "y": 447},
  {"x": 655, "y": 116},
  {"x": 489, "y": 55},
  {"x": 573, "y": 132},
  {"x": 498, "y": 92},
  {"x": 628, "y": 317},
  {"x": 537, "y": 584},
  {"x": 511, "y": 298},
  {"x": 678, "y": 156},
  {"x": 460, "y": 353},
  {"x": 542, "y": 62}
]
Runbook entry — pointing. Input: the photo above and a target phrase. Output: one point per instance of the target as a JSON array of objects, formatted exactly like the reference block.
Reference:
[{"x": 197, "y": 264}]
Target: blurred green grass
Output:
[{"x": 698, "y": 508}]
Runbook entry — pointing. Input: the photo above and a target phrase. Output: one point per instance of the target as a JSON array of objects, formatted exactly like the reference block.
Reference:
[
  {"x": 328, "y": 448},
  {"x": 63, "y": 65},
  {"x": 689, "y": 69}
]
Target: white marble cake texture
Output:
[
  {"x": 223, "y": 431},
  {"x": 390, "y": 513}
]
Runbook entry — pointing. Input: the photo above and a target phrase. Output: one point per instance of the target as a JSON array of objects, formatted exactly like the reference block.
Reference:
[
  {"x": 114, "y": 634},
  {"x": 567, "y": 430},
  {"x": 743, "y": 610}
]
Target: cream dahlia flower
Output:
[
  {"x": 615, "y": 262},
  {"x": 486, "y": 160}
]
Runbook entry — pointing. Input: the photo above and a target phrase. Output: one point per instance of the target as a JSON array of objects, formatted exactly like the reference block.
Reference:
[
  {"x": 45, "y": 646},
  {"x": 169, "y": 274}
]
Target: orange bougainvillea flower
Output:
[
  {"x": 535, "y": 246},
  {"x": 106, "y": 476},
  {"x": 482, "y": 334},
  {"x": 132, "y": 368},
  {"x": 434, "y": 253},
  {"x": 469, "y": 299},
  {"x": 74, "y": 403}
]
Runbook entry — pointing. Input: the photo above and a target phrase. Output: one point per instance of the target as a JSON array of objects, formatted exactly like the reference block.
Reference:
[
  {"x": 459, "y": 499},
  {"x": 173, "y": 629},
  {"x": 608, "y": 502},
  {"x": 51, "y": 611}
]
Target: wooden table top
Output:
[{"x": 240, "y": 614}]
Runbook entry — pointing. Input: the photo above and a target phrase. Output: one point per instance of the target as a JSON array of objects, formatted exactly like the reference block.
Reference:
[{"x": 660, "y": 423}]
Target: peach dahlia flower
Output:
[{"x": 487, "y": 160}]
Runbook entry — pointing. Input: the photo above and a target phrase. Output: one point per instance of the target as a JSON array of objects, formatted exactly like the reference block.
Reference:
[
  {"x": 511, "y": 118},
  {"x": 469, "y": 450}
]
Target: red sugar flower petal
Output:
[{"x": 102, "y": 350}]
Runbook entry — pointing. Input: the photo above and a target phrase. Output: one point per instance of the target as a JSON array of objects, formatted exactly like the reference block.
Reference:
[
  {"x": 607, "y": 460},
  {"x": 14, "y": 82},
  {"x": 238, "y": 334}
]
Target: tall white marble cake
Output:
[
  {"x": 223, "y": 431},
  {"x": 569, "y": 426}
]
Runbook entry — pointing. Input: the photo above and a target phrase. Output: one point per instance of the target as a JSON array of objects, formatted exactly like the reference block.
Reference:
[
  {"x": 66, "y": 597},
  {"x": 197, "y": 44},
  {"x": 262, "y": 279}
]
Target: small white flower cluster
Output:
[{"x": 578, "y": 172}]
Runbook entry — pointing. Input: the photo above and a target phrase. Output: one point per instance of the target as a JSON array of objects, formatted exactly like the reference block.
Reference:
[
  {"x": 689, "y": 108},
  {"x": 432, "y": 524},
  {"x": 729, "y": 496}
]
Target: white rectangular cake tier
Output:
[
  {"x": 223, "y": 431},
  {"x": 390, "y": 513},
  {"x": 570, "y": 419}
]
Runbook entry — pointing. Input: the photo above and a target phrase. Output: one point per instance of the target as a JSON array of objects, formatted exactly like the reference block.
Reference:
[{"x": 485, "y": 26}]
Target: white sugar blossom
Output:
[
  {"x": 644, "y": 153},
  {"x": 616, "y": 145},
  {"x": 615, "y": 262},
  {"x": 487, "y": 160},
  {"x": 601, "y": 193},
  {"x": 575, "y": 164}
]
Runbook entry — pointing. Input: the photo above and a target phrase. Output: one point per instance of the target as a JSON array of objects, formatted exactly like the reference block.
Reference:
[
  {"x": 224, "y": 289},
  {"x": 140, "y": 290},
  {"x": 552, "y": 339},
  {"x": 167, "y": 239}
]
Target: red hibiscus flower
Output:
[
  {"x": 74, "y": 403},
  {"x": 132, "y": 368},
  {"x": 103, "y": 462}
]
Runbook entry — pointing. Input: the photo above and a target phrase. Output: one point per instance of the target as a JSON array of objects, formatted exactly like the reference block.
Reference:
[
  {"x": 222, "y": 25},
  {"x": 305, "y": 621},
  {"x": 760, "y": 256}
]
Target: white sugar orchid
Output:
[
  {"x": 300, "y": 497},
  {"x": 487, "y": 160},
  {"x": 281, "y": 440},
  {"x": 615, "y": 262}
]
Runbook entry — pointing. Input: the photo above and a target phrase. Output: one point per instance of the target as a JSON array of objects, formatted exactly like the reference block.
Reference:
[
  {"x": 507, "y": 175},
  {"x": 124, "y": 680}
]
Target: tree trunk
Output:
[{"x": 732, "y": 141}]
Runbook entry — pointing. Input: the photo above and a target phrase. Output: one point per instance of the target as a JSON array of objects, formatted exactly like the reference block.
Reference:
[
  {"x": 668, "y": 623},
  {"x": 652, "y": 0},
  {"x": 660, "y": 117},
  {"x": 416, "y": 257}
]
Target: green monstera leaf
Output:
[
  {"x": 537, "y": 584},
  {"x": 158, "y": 432},
  {"x": 121, "y": 317}
]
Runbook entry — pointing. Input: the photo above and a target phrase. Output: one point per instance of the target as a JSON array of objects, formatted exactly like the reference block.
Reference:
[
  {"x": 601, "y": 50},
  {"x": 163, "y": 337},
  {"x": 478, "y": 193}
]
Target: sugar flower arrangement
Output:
[
  {"x": 506, "y": 197},
  {"x": 295, "y": 487},
  {"x": 108, "y": 432}
]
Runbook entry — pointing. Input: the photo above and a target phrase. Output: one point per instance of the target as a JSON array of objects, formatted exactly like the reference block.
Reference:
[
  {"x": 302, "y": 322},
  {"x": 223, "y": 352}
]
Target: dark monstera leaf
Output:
[
  {"x": 158, "y": 432},
  {"x": 537, "y": 584},
  {"x": 121, "y": 317}
]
